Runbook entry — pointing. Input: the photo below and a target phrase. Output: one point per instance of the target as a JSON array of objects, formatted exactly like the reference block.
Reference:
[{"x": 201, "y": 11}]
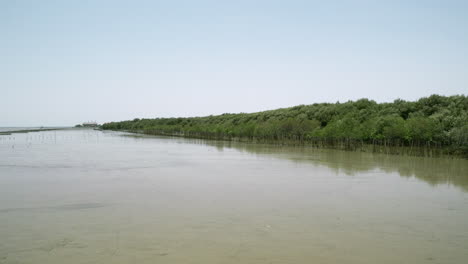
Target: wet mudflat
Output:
[{"x": 86, "y": 196}]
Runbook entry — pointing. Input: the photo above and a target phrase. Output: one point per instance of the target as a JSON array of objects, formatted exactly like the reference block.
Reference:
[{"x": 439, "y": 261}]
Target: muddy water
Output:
[{"x": 85, "y": 196}]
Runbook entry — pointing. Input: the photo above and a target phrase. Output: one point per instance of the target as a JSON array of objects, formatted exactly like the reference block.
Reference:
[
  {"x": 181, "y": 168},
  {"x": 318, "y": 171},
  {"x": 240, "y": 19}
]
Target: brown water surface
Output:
[{"x": 85, "y": 196}]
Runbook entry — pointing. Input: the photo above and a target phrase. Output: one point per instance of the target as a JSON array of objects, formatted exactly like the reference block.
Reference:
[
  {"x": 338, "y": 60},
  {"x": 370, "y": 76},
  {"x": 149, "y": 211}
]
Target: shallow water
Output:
[
  {"x": 85, "y": 196},
  {"x": 7, "y": 129}
]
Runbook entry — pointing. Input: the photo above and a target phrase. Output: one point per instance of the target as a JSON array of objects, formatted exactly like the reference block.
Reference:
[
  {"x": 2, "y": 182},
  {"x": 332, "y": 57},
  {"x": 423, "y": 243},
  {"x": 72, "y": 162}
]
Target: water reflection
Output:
[
  {"x": 85, "y": 196},
  {"x": 434, "y": 171}
]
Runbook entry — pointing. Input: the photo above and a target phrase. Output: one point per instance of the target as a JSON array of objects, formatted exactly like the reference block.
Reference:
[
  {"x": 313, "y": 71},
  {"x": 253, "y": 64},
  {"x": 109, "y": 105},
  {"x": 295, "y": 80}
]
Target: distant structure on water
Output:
[{"x": 90, "y": 124}]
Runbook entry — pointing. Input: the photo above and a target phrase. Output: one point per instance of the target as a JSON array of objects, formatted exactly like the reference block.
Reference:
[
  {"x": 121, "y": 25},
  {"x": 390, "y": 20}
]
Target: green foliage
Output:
[{"x": 431, "y": 121}]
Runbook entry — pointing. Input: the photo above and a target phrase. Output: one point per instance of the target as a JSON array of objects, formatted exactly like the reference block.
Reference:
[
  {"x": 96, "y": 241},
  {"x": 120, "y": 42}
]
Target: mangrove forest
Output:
[{"x": 430, "y": 123}]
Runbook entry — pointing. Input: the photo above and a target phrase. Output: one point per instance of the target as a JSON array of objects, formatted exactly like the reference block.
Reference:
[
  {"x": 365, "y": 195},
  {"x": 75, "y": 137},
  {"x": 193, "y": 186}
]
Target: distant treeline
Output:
[{"x": 435, "y": 122}]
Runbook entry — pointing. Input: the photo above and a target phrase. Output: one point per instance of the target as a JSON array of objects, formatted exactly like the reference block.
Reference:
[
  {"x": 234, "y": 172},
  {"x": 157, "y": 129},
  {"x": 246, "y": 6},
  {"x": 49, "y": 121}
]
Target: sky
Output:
[{"x": 68, "y": 62}]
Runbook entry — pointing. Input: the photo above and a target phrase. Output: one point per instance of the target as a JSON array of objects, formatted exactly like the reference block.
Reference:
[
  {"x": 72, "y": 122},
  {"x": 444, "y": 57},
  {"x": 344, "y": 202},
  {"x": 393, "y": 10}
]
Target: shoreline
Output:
[
  {"x": 3, "y": 133},
  {"x": 414, "y": 151},
  {"x": 434, "y": 125}
]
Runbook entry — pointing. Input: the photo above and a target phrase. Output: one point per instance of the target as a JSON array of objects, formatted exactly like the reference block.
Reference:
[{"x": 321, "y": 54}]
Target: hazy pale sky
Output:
[{"x": 66, "y": 62}]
